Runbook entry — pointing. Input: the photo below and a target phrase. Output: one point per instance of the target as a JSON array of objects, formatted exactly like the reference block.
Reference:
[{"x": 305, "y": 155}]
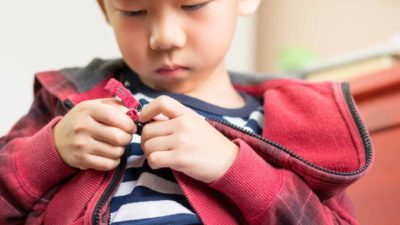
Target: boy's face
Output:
[{"x": 174, "y": 45}]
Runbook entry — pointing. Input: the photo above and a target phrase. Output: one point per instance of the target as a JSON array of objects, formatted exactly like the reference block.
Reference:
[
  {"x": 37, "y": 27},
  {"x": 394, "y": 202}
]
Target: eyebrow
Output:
[{"x": 123, "y": 0}]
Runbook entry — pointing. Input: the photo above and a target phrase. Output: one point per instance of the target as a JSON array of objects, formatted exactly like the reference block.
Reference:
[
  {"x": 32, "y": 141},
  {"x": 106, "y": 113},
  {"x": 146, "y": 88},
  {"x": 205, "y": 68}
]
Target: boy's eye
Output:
[
  {"x": 194, "y": 7},
  {"x": 135, "y": 13}
]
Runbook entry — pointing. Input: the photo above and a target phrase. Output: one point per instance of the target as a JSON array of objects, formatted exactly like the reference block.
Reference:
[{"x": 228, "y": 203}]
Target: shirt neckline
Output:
[{"x": 137, "y": 86}]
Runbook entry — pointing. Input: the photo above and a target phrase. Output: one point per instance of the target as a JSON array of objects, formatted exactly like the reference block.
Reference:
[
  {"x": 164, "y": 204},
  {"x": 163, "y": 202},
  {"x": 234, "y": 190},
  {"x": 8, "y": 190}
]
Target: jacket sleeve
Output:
[
  {"x": 30, "y": 166},
  {"x": 269, "y": 195}
]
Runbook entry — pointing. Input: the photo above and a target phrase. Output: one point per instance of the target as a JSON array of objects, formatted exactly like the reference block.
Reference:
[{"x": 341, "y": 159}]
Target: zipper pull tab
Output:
[{"x": 117, "y": 89}]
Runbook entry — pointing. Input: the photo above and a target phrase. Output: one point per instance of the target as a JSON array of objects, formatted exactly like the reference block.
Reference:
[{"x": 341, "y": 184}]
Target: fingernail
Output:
[{"x": 134, "y": 130}]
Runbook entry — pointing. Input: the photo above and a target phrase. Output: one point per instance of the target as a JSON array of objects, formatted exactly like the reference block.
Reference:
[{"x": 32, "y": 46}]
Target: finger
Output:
[
  {"x": 112, "y": 135},
  {"x": 113, "y": 116},
  {"x": 106, "y": 150},
  {"x": 165, "y": 105},
  {"x": 162, "y": 143},
  {"x": 114, "y": 102},
  {"x": 99, "y": 163},
  {"x": 162, "y": 159},
  {"x": 157, "y": 128},
  {"x": 111, "y": 101},
  {"x": 160, "y": 117}
]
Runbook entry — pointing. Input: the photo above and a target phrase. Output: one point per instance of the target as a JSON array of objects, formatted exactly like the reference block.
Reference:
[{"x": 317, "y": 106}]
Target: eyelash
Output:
[
  {"x": 144, "y": 12},
  {"x": 194, "y": 7},
  {"x": 133, "y": 13}
]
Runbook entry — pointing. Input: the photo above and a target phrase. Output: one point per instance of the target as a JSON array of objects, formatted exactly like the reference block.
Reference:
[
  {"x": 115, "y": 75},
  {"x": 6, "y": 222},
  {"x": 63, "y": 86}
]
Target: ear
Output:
[
  {"x": 247, "y": 7},
  {"x": 103, "y": 9}
]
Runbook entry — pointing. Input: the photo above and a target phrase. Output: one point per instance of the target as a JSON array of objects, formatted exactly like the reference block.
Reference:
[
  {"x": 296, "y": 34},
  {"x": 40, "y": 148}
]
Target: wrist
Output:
[{"x": 231, "y": 153}]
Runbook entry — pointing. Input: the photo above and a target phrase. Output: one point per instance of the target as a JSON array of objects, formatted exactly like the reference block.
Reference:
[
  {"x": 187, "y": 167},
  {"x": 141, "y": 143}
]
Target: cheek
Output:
[
  {"x": 216, "y": 39},
  {"x": 133, "y": 46},
  {"x": 221, "y": 26}
]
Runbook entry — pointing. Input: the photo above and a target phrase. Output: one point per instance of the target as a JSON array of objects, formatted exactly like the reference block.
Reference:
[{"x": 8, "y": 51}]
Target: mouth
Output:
[{"x": 171, "y": 70}]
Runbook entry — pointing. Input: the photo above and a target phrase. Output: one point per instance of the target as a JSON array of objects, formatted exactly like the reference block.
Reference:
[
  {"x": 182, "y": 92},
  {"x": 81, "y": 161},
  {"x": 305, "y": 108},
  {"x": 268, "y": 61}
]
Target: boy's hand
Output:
[
  {"x": 93, "y": 134},
  {"x": 185, "y": 142}
]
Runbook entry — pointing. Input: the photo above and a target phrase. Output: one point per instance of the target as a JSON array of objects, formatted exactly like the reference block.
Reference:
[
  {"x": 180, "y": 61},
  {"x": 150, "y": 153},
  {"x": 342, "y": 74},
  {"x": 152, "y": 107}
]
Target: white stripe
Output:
[
  {"x": 141, "y": 96},
  {"x": 236, "y": 120},
  {"x": 125, "y": 188},
  {"x": 135, "y": 161},
  {"x": 258, "y": 117},
  {"x": 151, "y": 209},
  {"x": 136, "y": 138},
  {"x": 249, "y": 129},
  {"x": 158, "y": 184},
  {"x": 150, "y": 181}
]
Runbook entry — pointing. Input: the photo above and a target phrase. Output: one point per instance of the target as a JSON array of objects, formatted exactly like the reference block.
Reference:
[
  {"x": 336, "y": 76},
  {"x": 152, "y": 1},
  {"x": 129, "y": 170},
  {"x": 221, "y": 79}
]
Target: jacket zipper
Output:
[
  {"x": 356, "y": 117},
  {"x": 114, "y": 180},
  {"x": 109, "y": 189}
]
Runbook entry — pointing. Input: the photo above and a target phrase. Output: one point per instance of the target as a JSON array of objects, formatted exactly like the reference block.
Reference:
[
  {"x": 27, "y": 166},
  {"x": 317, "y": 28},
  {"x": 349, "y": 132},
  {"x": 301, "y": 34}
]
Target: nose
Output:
[{"x": 167, "y": 34}]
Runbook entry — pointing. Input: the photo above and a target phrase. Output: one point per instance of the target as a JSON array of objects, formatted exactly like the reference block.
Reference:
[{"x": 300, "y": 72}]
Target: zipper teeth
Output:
[
  {"x": 360, "y": 125},
  {"x": 106, "y": 194},
  {"x": 364, "y": 135}
]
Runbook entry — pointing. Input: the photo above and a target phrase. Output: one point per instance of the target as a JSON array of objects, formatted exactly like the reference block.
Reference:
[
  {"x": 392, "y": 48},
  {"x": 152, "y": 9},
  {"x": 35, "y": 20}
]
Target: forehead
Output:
[{"x": 147, "y": 1}]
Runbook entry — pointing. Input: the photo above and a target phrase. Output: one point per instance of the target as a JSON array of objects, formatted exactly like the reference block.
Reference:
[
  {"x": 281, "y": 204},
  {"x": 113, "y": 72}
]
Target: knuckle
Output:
[
  {"x": 153, "y": 161},
  {"x": 81, "y": 160},
  {"x": 146, "y": 145},
  {"x": 181, "y": 140},
  {"x": 163, "y": 101},
  {"x": 130, "y": 125},
  {"x": 119, "y": 151},
  {"x": 183, "y": 125},
  {"x": 79, "y": 128},
  {"x": 127, "y": 138},
  {"x": 83, "y": 106},
  {"x": 118, "y": 139},
  {"x": 109, "y": 117},
  {"x": 112, "y": 164},
  {"x": 83, "y": 167},
  {"x": 79, "y": 145},
  {"x": 145, "y": 131}
]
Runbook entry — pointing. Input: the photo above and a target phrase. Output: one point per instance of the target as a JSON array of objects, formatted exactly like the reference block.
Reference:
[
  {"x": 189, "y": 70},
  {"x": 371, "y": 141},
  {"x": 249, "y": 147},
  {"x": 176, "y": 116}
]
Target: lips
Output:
[{"x": 171, "y": 70}]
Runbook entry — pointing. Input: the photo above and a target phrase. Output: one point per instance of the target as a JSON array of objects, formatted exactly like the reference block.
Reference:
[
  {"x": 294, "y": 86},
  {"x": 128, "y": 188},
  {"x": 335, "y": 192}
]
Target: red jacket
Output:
[{"x": 312, "y": 147}]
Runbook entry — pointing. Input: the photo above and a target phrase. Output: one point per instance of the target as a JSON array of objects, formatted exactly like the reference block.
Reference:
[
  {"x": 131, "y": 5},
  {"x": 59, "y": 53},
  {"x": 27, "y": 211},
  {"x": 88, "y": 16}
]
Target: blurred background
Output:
[
  {"x": 356, "y": 41},
  {"x": 40, "y": 35}
]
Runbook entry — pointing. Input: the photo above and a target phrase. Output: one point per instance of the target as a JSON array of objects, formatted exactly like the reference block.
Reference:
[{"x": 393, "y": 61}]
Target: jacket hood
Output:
[{"x": 313, "y": 129}]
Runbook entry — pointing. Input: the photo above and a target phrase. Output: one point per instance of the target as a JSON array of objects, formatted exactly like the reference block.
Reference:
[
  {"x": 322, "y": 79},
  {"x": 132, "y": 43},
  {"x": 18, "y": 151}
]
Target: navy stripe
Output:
[
  {"x": 134, "y": 149},
  {"x": 132, "y": 173},
  {"x": 170, "y": 220},
  {"x": 254, "y": 126}
]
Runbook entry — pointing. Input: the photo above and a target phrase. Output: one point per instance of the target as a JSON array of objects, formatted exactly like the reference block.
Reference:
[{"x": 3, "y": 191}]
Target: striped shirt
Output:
[{"x": 152, "y": 197}]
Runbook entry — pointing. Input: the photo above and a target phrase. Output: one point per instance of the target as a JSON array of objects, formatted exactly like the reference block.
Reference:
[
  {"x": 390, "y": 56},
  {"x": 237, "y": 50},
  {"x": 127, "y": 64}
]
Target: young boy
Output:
[{"x": 205, "y": 155}]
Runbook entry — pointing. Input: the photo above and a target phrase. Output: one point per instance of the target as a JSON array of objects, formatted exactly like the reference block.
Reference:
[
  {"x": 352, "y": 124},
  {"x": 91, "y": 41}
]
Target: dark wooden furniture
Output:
[{"x": 376, "y": 197}]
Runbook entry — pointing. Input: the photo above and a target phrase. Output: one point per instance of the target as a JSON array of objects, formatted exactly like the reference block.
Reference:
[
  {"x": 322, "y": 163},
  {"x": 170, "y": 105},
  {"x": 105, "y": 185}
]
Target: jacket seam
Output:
[
  {"x": 21, "y": 183},
  {"x": 345, "y": 112},
  {"x": 282, "y": 177}
]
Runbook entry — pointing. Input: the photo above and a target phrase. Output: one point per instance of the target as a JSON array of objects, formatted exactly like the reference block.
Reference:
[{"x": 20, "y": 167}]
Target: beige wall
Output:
[{"x": 327, "y": 27}]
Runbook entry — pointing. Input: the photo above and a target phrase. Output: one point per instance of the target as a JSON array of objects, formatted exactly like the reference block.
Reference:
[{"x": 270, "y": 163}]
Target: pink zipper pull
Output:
[{"x": 116, "y": 88}]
